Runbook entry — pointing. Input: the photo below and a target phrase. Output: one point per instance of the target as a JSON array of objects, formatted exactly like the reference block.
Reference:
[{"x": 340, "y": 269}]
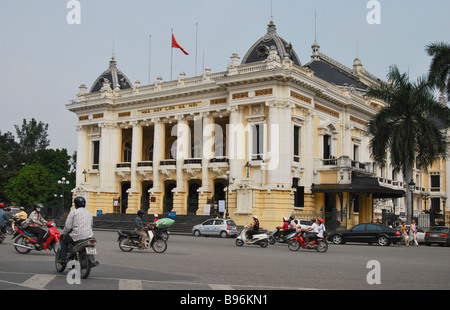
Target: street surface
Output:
[{"x": 212, "y": 263}]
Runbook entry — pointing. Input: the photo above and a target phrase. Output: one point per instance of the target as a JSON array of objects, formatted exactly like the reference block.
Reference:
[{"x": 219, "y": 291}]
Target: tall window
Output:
[
  {"x": 326, "y": 147},
  {"x": 435, "y": 183},
  {"x": 127, "y": 153},
  {"x": 95, "y": 154},
  {"x": 258, "y": 141},
  {"x": 296, "y": 144}
]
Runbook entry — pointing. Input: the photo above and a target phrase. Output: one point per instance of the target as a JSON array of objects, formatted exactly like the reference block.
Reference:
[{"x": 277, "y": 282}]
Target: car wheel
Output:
[
  {"x": 383, "y": 241},
  {"x": 197, "y": 233},
  {"x": 337, "y": 239},
  {"x": 223, "y": 234}
]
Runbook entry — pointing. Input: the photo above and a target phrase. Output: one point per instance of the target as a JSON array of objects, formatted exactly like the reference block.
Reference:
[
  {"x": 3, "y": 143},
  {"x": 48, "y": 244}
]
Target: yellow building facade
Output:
[{"x": 268, "y": 137}]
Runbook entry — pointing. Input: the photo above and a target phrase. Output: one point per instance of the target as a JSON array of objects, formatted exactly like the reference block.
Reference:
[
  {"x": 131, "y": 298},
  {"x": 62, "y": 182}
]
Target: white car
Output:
[
  {"x": 218, "y": 227},
  {"x": 303, "y": 223}
]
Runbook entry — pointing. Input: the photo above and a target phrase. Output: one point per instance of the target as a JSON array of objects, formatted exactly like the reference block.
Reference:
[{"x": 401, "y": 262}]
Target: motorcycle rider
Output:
[
  {"x": 78, "y": 227},
  {"x": 253, "y": 229},
  {"x": 311, "y": 232},
  {"x": 3, "y": 219},
  {"x": 140, "y": 226},
  {"x": 35, "y": 221},
  {"x": 282, "y": 228},
  {"x": 321, "y": 229},
  {"x": 292, "y": 226}
]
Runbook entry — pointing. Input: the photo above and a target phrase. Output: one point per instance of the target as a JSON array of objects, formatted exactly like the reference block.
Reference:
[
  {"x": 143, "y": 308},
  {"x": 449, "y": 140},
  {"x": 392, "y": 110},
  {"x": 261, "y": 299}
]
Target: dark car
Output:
[
  {"x": 438, "y": 234},
  {"x": 366, "y": 233}
]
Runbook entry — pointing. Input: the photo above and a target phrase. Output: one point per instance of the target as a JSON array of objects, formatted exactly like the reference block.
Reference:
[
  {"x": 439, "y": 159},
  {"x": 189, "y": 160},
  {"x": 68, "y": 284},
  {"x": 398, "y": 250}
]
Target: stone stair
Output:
[{"x": 183, "y": 223}]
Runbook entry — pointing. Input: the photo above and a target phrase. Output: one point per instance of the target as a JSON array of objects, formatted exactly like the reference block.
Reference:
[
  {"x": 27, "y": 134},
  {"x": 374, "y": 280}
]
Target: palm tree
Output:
[
  {"x": 407, "y": 128},
  {"x": 439, "y": 73}
]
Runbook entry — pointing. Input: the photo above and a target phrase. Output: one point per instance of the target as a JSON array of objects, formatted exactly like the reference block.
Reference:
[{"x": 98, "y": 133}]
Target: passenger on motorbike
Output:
[
  {"x": 292, "y": 226},
  {"x": 78, "y": 227},
  {"x": 35, "y": 221},
  {"x": 253, "y": 229},
  {"x": 311, "y": 232},
  {"x": 22, "y": 215},
  {"x": 321, "y": 230},
  {"x": 140, "y": 226}
]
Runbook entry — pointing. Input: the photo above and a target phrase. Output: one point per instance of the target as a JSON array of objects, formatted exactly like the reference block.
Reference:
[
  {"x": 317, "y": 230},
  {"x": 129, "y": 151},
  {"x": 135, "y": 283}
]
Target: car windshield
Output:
[
  {"x": 231, "y": 223},
  {"x": 440, "y": 229},
  {"x": 305, "y": 222}
]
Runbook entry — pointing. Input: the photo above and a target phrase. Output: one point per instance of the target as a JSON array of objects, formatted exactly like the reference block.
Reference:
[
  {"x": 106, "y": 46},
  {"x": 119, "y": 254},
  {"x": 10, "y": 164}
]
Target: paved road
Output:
[{"x": 202, "y": 263}]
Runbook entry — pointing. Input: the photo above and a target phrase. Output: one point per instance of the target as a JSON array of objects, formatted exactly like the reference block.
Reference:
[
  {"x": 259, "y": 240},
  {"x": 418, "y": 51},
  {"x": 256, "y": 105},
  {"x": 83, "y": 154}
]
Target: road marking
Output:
[
  {"x": 218, "y": 287},
  {"x": 38, "y": 281},
  {"x": 130, "y": 284}
]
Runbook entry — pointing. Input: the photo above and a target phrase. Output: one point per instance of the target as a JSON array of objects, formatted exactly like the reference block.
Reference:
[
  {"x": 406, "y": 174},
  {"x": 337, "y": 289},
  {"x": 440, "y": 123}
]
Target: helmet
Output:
[
  {"x": 285, "y": 219},
  {"x": 155, "y": 215},
  {"x": 320, "y": 220},
  {"x": 38, "y": 207},
  {"x": 255, "y": 217},
  {"x": 140, "y": 212},
  {"x": 292, "y": 217},
  {"x": 313, "y": 219},
  {"x": 79, "y": 202},
  {"x": 2, "y": 205}
]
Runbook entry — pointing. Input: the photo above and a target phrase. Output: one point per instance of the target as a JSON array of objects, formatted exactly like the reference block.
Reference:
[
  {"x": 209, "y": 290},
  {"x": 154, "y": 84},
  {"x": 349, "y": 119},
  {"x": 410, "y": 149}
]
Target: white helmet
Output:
[{"x": 155, "y": 215}]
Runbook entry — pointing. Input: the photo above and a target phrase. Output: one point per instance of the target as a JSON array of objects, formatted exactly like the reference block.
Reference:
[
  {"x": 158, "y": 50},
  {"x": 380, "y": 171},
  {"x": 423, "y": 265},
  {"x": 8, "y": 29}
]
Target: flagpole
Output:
[
  {"x": 196, "y": 44},
  {"x": 171, "y": 55},
  {"x": 149, "y": 59}
]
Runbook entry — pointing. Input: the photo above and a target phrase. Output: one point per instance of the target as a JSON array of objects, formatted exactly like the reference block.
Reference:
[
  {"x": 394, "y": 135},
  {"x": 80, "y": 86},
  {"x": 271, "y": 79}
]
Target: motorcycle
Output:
[
  {"x": 83, "y": 252},
  {"x": 297, "y": 242},
  {"x": 283, "y": 239},
  {"x": 129, "y": 240},
  {"x": 26, "y": 241},
  {"x": 259, "y": 239}
]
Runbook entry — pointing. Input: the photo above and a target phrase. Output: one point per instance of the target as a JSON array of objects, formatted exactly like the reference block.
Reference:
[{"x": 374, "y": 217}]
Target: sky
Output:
[{"x": 44, "y": 58}]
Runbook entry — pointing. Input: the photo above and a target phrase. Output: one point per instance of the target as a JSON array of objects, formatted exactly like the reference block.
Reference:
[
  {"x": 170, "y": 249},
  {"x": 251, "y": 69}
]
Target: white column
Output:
[
  {"x": 136, "y": 155},
  {"x": 307, "y": 148},
  {"x": 274, "y": 139},
  {"x": 182, "y": 150},
  {"x": 82, "y": 154},
  {"x": 236, "y": 143},
  {"x": 207, "y": 153},
  {"x": 109, "y": 156},
  {"x": 157, "y": 151},
  {"x": 286, "y": 147}
]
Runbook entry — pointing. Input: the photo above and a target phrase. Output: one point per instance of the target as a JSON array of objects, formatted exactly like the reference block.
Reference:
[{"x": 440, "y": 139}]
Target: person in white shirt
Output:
[
  {"x": 413, "y": 232},
  {"x": 311, "y": 232},
  {"x": 321, "y": 229},
  {"x": 78, "y": 226}
]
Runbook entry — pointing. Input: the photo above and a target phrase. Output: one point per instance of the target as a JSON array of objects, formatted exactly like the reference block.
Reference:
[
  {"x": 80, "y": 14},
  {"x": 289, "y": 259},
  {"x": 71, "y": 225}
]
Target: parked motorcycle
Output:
[
  {"x": 26, "y": 241},
  {"x": 259, "y": 239},
  {"x": 298, "y": 242},
  {"x": 83, "y": 252},
  {"x": 282, "y": 239},
  {"x": 129, "y": 240}
]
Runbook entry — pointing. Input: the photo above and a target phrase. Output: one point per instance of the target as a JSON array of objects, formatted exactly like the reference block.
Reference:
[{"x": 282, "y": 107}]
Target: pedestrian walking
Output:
[
  {"x": 404, "y": 231},
  {"x": 413, "y": 232}
]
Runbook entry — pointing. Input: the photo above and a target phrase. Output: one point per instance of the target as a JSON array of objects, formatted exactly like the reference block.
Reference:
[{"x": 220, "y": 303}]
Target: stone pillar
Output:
[
  {"x": 207, "y": 153},
  {"x": 136, "y": 156},
  {"x": 82, "y": 154},
  {"x": 109, "y": 157},
  {"x": 236, "y": 143}
]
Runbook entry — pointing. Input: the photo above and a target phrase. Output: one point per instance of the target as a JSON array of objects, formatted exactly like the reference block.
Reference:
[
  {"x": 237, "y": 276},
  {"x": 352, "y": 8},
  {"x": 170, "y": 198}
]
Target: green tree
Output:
[
  {"x": 33, "y": 138},
  {"x": 439, "y": 73},
  {"x": 407, "y": 128},
  {"x": 33, "y": 184},
  {"x": 9, "y": 161}
]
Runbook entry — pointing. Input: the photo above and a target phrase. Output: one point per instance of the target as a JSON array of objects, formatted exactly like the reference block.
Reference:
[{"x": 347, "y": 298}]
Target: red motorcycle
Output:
[
  {"x": 26, "y": 240},
  {"x": 297, "y": 242}
]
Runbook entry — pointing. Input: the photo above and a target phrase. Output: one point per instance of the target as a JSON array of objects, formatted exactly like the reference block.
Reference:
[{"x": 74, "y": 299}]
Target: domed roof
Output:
[
  {"x": 260, "y": 50},
  {"x": 114, "y": 76}
]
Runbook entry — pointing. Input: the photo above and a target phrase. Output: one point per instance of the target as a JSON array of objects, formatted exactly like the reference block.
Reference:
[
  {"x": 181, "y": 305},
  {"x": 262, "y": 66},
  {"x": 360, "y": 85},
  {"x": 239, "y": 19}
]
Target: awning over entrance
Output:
[{"x": 360, "y": 185}]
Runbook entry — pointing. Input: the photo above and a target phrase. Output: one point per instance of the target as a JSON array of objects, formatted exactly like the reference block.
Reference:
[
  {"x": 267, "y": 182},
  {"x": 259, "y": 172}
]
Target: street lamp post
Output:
[
  {"x": 62, "y": 182},
  {"x": 412, "y": 187}
]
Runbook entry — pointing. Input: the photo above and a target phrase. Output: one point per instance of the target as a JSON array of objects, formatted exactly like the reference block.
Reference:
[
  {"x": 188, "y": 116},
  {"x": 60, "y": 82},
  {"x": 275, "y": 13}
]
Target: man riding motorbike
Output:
[
  {"x": 140, "y": 226},
  {"x": 311, "y": 232},
  {"x": 283, "y": 228},
  {"x": 3, "y": 219},
  {"x": 78, "y": 226},
  {"x": 35, "y": 220}
]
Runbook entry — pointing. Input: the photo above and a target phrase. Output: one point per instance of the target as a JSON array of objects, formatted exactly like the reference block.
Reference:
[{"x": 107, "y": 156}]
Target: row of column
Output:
[{"x": 279, "y": 149}]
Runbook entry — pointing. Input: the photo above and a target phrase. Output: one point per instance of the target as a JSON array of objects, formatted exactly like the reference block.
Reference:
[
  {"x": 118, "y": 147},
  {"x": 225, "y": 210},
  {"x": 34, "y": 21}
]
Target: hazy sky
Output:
[{"x": 44, "y": 59}]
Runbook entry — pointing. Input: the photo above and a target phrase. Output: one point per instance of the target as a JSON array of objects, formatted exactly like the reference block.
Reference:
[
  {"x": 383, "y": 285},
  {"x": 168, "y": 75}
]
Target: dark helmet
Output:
[
  {"x": 38, "y": 207},
  {"x": 79, "y": 202},
  {"x": 140, "y": 212}
]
